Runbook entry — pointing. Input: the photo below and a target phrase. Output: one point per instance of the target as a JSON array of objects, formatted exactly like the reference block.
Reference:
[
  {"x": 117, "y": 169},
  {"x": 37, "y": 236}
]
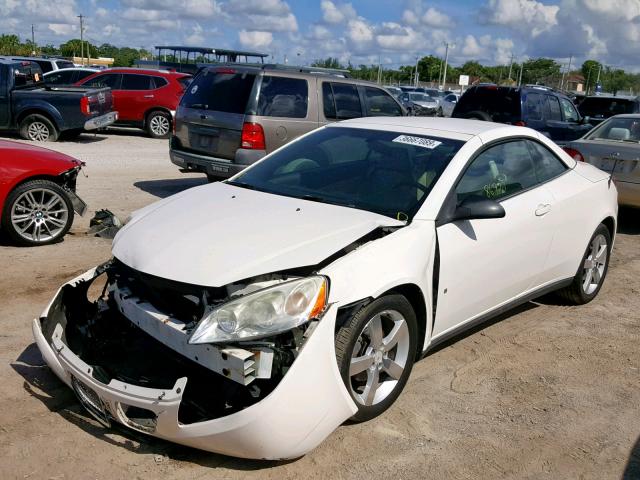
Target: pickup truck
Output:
[{"x": 44, "y": 113}]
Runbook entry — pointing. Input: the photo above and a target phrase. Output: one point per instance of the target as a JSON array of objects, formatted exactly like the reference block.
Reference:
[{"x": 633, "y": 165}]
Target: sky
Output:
[{"x": 391, "y": 32}]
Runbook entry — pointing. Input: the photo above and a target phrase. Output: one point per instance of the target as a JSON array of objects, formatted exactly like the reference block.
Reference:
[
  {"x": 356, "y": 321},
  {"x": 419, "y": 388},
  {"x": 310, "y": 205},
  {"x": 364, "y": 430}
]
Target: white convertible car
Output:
[{"x": 254, "y": 316}]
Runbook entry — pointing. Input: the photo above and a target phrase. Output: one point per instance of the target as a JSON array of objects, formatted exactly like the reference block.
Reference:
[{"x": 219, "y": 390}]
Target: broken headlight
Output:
[{"x": 264, "y": 313}]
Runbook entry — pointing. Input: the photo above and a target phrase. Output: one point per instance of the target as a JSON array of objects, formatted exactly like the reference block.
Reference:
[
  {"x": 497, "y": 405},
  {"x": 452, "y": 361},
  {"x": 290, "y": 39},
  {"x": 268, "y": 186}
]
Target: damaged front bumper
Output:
[{"x": 305, "y": 406}]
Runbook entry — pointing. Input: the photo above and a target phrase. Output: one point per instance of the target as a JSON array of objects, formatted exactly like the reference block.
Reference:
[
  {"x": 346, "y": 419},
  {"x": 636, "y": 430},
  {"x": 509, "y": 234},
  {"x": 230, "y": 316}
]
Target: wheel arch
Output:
[
  {"x": 52, "y": 178},
  {"x": 156, "y": 109},
  {"x": 413, "y": 293},
  {"x": 37, "y": 111},
  {"x": 610, "y": 223}
]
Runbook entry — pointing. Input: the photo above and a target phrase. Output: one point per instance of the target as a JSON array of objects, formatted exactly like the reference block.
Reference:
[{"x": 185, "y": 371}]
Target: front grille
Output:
[{"x": 183, "y": 301}]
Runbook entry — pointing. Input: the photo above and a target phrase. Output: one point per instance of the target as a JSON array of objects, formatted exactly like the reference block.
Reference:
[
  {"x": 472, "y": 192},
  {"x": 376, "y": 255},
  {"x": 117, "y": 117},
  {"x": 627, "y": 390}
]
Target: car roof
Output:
[
  {"x": 614, "y": 97},
  {"x": 447, "y": 127},
  {"x": 144, "y": 71},
  {"x": 73, "y": 69}
]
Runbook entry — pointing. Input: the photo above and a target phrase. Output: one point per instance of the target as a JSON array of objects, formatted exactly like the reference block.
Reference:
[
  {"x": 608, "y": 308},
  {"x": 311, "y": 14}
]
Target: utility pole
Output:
[
  {"x": 446, "y": 59},
  {"x": 33, "y": 40},
  {"x": 379, "y": 70},
  {"x": 415, "y": 77},
  {"x": 511, "y": 66},
  {"x": 520, "y": 76},
  {"x": 81, "y": 17},
  {"x": 567, "y": 72}
]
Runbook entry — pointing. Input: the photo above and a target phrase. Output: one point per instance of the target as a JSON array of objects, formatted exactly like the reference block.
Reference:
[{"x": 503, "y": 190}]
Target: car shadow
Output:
[
  {"x": 42, "y": 384},
  {"x": 166, "y": 188},
  {"x": 481, "y": 326},
  {"x": 632, "y": 469},
  {"x": 629, "y": 221}
]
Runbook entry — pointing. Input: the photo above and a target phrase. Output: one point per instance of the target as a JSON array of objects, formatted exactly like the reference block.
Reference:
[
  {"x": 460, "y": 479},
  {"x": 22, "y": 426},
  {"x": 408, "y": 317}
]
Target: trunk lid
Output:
[{"x": 607, "y": 154}]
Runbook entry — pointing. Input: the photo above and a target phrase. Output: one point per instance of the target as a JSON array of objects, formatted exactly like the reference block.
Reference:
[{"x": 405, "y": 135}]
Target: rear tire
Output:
[
  {"x": 159, "y": 124},
  {"x": 375, "y": 351},
  {"x": 38, "y": 212},
  {"x": 38, "y": 128},
  {"x": 592, "y": 271}
]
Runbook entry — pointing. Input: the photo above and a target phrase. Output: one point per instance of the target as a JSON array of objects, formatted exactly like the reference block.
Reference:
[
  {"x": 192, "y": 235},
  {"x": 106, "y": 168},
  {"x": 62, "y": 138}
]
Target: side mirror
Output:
[
  {"x": 585, "y": 120},
  {"x": 473, "y": 208}
]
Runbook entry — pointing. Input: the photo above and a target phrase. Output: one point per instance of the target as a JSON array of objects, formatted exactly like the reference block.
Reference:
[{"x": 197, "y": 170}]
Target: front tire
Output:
[
  {"x": 38, "y": 128},
  {"x": 159, "y": 124},
  {"x": 37, "y": 212},
  {"x": 375, "y": 351},
  {"x": 593, "y": 269}
]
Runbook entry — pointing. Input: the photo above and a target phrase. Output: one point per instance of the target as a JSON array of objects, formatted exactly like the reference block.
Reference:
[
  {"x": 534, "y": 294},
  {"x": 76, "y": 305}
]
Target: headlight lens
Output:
[{"x": 264, "y": 313}]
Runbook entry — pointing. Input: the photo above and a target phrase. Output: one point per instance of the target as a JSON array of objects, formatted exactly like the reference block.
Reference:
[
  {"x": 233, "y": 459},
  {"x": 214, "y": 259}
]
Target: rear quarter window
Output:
[
  {"x": 606, "y": 107},
  {"x": 219, "y": 91},
  {"x": 501, "y": 104},
  {"x": 283, "y": 97},
  {"x": 346, "y": 101}
]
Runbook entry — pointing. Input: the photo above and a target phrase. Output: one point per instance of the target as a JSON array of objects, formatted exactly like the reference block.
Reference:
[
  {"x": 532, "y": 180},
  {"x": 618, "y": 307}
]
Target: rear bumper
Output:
[
  {"x": 190, "y": 161},
  {"x": 101, "y": 121},
  {"x": 306, "y": 406}
]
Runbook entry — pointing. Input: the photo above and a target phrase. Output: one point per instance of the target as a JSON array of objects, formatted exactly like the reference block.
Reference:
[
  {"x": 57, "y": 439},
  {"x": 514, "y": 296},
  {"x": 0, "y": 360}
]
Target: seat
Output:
[{"x": 618, "y": 133}]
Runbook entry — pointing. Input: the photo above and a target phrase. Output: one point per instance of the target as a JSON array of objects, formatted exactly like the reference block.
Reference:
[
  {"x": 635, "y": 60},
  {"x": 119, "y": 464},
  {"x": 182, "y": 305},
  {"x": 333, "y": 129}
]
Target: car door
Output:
[
  {"x": 573, "y": 128},
  {"x": 487, "y": 263},
  {"x": 379, "y": 103},
  {"x": 284, "y": 109},
  {"x": 136, "y": 97}
]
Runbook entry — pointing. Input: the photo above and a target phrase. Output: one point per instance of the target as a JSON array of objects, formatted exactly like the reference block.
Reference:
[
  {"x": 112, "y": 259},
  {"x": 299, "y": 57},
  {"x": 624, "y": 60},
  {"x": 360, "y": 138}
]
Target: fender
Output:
[{"x": 36, "y": 105}]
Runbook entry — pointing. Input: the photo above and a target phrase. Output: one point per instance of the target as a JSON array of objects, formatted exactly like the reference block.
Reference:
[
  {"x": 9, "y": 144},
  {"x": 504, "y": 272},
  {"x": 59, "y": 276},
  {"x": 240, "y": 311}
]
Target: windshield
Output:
[
  {"x": 389, "y": 173},
  {"x": 420, "y": 97},
  {"x": 605, "y": 107},
  {"x": 617, "y": 129}
]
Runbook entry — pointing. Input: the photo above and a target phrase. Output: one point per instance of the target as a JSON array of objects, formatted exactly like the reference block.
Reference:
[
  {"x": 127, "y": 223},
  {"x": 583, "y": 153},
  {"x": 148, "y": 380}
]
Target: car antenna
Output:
[{"x": 616, "y": 159}]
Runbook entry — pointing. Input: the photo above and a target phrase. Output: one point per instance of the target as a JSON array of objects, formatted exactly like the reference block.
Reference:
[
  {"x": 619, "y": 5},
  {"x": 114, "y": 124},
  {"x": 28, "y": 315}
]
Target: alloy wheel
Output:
[
  {"x": 160, "y": 125},
  {"x": 594, "y": 264},
  {"x": 38, "y": 131},
  {"x": 379, "y": 357},
  {"x": 39, "y": 215}
]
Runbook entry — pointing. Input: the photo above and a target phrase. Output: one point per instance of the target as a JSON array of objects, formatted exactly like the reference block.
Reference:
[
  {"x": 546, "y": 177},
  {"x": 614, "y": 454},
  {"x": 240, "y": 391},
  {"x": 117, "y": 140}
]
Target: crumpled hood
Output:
[
  {"x": 217, "y": 234},
  {"x": 427, "y": 104}
]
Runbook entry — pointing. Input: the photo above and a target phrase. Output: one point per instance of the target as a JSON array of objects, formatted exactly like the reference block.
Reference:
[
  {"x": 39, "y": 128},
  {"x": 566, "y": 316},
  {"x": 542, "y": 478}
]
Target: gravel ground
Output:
[{"x": 545, "y": 391}]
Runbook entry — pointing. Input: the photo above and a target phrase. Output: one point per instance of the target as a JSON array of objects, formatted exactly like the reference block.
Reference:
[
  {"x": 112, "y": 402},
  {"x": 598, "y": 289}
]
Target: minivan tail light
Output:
[
  {"x": 575, "y": 154},
  {"x": 520, "y": 124},
  {"x": 253, "y": 136},
  {"x": 85, "y": 107}
]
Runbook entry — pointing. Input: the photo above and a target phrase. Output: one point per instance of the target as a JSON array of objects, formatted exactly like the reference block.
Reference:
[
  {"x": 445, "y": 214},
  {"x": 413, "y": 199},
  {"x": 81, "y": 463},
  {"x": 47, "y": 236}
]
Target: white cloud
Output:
[
  {"x": 196, "y": 38},
  {"x": 436, "y": 19},
  {"x": 62, "y": 29},
  {"x": 393, "y": 36},
  {"x": 255, "y": 39},
  {"x": 534, "y": 15},
  {"x": 360, "y": 33},
  {"x": 337, "y": 13}
]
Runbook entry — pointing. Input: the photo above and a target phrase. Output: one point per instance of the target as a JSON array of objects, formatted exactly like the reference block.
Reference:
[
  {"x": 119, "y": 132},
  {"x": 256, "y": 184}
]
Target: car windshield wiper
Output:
[{"x": 248, "y": 186}]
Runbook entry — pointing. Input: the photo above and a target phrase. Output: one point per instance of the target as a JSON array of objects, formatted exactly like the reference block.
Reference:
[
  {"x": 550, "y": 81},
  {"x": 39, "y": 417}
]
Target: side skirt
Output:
[{"x": 498, "y": 311}]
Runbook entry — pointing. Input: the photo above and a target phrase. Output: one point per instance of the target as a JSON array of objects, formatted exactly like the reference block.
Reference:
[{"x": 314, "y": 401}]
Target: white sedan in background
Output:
[
  {"x": 252, "y": 317},
  {"x": 449, "y": 103}
]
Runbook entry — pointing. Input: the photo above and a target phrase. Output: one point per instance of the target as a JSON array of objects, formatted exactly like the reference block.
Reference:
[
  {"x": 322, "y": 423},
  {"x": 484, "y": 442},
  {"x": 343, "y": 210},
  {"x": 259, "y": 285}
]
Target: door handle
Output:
[
  {"x": 148, "y": 96},
  {"x": 543, "y": 209}
]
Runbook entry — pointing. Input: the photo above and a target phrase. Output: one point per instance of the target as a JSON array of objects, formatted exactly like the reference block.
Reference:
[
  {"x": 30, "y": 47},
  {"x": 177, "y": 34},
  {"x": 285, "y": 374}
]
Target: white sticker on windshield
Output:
[{"x": 417, "y": 141}]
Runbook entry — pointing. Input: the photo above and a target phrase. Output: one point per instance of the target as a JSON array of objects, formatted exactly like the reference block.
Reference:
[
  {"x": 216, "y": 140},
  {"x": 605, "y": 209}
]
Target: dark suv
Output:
[
  {"x": 536, "y": 107},
  {"x": 600, "y": 107},
  {"x": 231, "y": 116}
]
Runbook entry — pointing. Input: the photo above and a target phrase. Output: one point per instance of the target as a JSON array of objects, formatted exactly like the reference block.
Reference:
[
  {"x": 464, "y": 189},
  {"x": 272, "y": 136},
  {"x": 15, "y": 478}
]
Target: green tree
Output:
[
  {"x": 328, "y": 62},
  {"x": 540, "y": 70},
  {"x": 590, "y": 70},
  {"x": 9, "y": 44},
  {"x": 74, "y": 48},
  {"x": 473, "y": 69}
]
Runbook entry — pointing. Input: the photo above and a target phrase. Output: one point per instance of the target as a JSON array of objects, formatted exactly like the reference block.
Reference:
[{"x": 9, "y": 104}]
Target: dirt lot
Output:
[{"x": 543, "y": 392}]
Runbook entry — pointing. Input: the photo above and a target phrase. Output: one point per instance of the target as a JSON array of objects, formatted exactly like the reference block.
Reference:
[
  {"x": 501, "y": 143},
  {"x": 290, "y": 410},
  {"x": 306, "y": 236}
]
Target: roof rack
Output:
[{"x": 278, "y": 66}]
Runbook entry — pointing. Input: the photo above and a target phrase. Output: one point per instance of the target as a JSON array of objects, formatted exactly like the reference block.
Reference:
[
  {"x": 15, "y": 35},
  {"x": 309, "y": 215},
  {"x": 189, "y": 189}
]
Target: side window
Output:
[
  {"x": 136, "y": 82},
  {"x": 111, "y": 80},
  {"x": 283, "y": 97},
  {"x": 380, "y": 103},
  {"x": 546, "y": 164},
  {"x": 498, "y": 172},
  {"x": 570, "y": 113},
  {"x": 450, "y": 98},
  {"x": 347, "y": 101},
  {"x": 57, "y": 78},
  {"x": 534, "y": 106},
  {"x": 45, "y": 65},
  {"x": 80, "y": 74},
  {"x": 328, "y": 104},
  {"x": 158, "y": 82},
  {"x": 554, "y": 108}
]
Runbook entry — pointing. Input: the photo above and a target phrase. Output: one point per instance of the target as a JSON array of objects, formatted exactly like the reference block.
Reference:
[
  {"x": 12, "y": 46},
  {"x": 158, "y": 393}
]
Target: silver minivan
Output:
[{"x": 231, "y": 116}]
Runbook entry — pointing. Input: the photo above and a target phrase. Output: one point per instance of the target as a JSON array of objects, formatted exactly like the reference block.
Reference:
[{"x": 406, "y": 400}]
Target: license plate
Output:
[
  {"x": 216, "y": 168},
  {"x": 91, "y": 402},
  {"x": 105, "y": 120}
]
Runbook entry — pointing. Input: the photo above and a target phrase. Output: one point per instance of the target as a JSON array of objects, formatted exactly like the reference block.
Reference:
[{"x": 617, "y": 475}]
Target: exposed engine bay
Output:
[{"x": 136, "y": 331}]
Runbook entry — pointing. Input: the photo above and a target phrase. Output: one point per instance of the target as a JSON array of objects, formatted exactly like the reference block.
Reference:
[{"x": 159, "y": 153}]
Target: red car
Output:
[
  {"x": 37, "y": 193},
  {"x": 145, "y": 99}
]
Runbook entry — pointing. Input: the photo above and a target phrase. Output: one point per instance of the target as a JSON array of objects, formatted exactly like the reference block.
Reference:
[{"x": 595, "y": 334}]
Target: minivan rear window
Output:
[
  {"x": 283, "y": 97},
  {"x": 219, "y": 91},
  {"x": 64, "y": 64},
  {"x": 605, "y": 107},
  {"x": 500, "y": 103}
]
